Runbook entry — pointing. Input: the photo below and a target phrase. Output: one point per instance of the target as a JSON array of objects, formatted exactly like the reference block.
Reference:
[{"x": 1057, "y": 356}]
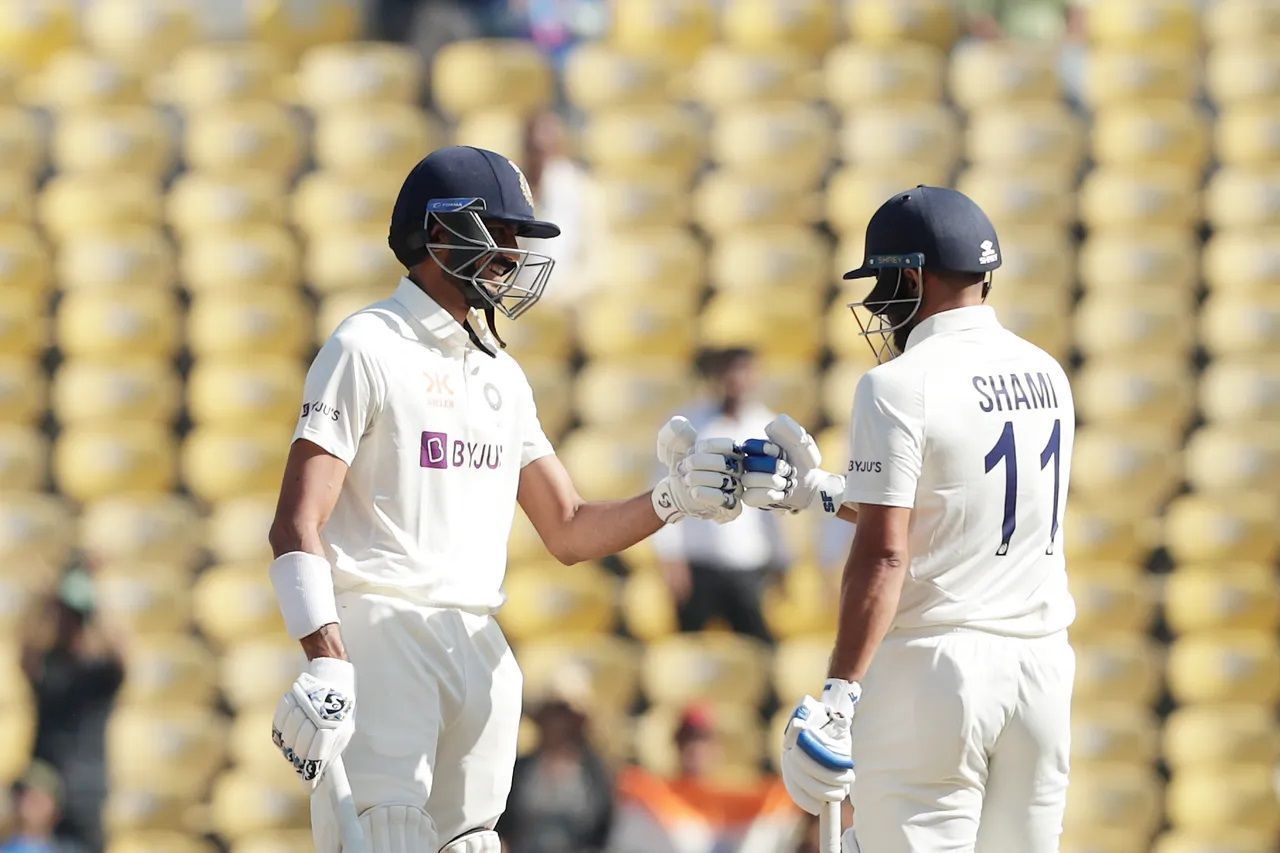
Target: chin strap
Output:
[{"x": 489, "y": 317}]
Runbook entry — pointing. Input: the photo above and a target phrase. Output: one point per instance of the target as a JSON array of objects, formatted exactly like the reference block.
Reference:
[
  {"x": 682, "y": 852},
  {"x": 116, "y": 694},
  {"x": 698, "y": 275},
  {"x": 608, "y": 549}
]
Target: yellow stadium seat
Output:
[
  {"x": 604, "y": 463},
  {"x": 1201, "y": 528},
  {"x": 686, "y": 667},
  {"x": 639, "y": 141},
  {"x": 754, "y": 139},
  {"x": 245, "y": 744},
  {"x": 800, "y": 665},
  {"x": 31, "y": 31},
  {"x": 611, "y": 667},
  {"x": 1230, "y": 666},
  {"x": 74, "y": 79},
  {"x": 545, "y": 333},
  {"x": 858, "y": 74},
  {"x": 621, "y": 392},
  {"x": 169, "y": 671},
  {"x": 17, "y": 198},
  {"x": 1114, "y": 731},
  {"x": 144, "y": 598},
  {"x": 1140, "y": 24},
  {"x": 233, "y": 137},
  {"x": 735, "y": 727},
  {"x": 143, "y": 528},
  {"x": 1113, "y": 795},
  {"x": 255, "y": 322},
  {"x": 551, "y": 598},
  {"x": 1022, "y": 199},
  {"x": 626, "y": 204},
  {"x": 1242, "y": 73},
  {"x": 1241, "y": 21},
  {"x": 1151, "y": 391},
  {"x": 200, "y": 203},
  {"x": 923, "y": 134},
  {"x": 493, "y": 73},
  {"x": 648, "y": 609},
  {"x": 1243, "y": 797},
  {"x": 1140, "y": 262},
  {"x": 1220, "y": 735},
  {"x": 729, "y": 321},
  {"x": 1131, "y": 323},
  {"x": 235, "y": 602},
  {"x": 293, "y": 26},
  {"x": 253, "y": 672},
  {"x": 222, "y": 462},
  {"x": 983, "y": 72},
  {"x": 668, "y": 261},
  {"x": 230, "y": 391},
  {"x": 726, "y": 201},
  {"x": 552, "y": 389},
  {"x": 177, "y": 747},
  {"x": 118, "y": 321},
  {"x": 496, "y": 129},
  {"x": 1239, "y": 389},
  {"x": 263, "y": 257},
  {"x": 238, "y": 528},
  {"x": 359, "y": 73},
  {"x": 22, "y": 147},
  {"x": 142, "y": 34},
  {"x": 10, "y": 74},
  {"x": 17, "y": 737},
  {"x": 1103, "y": 839},
  {"x": 147, "y": 810},
  {"x": 117, "y": 256},
  {"x": 1247, "y": 135},
  {"x": 1228, "y": 459},
  {"x": 351, "y": 261},
  {"x": 1121, "y": 196},
  {"x": 1117, "y": 667},
  {"x": 804, "y": 604},
  {"x": 1039, "y": 320},
  {"x": 791, "y": 386},
  {"x": 855, "y": 192},
  {"x": 597, "y": 75},
  {"x": 1219, "y": 839},
  {"x": 325, "y": 201},
  {"x": 35, "y": 529},
  {"x": 1242, "y": 265},
  {"x": 358, "y": 139},
  {"x": 70, "y": 205},
  {"x": 804, "y": 26},
  {"x": 671, "y": 29},
  {"x": 23, "y": 391},
  {"x": 727, "y": 76},
  {"x": 113, "y": 140},
  {"x": 1243, "y": 197},
  {"x": 1041, "y": 135},
  {"x": 150, "y": 841},
  {"x": 248, "y": 801},
  {"x": 1245, "y": 597},
  {"x": 25, "y": 262},
  {"x": 91, "y": 462},
  {"x": 205, "y": 75},
  {"x": 1127, "y": 76},
  {"x": 791, "y": 259},
  {"x": 278, "y": 841},
  {"x": 336, "y": 307},
  {"x": 622, "y": 327},
  {"x": 24, "y": 455},
  {"x": 1156, "y": 131},
  {"x": 841, "y": 378},
  {"x": 91, "y": 390},
  {"x": 1137, "y": 465},
  {"x": 889, "y": 22},
  {"x": 1110, "y": 597}
]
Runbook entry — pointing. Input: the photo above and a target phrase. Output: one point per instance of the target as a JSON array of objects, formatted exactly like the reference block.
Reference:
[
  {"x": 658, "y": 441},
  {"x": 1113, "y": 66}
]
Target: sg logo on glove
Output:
[{"x": 331, "y": 705}]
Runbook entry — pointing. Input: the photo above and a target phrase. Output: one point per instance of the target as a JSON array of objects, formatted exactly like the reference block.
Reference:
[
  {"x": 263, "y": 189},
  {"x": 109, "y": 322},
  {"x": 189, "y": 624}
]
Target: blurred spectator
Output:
[
  {"x": 562, "y": 793},
  {"x": 37, "y": 802},
  {"x": 720, "y": 570},
  {"x": 1034, "y": 20},
  {"x": 560, "y": 188},
  {"x": 75, "y": 672},
  {"x": 693, "y": 814},
  {"x": 557, "y": 26}
]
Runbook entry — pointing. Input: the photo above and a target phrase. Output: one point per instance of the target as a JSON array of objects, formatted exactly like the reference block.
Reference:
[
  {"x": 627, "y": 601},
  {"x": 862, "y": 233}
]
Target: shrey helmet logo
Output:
[
  {"x": 989, "y": 254},
  {"x": 524, "y": 183}
]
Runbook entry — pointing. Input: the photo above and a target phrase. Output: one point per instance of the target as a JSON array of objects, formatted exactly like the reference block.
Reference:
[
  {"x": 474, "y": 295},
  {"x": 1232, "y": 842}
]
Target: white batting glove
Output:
[
  {"x": 817, "y": 762},
  {"x": 783, "y": 472},
  {"x": 315, "y": 719},
  {"x": 702, "y": 476}
]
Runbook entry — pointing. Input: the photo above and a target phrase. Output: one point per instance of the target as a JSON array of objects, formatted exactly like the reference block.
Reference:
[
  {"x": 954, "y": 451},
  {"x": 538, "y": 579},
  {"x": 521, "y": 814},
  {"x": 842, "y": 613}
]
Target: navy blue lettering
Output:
[
  {"x": 978, "y": 385},
  {"x": 1020, "y": 400},
  {"x": 1001, "y": 392}
]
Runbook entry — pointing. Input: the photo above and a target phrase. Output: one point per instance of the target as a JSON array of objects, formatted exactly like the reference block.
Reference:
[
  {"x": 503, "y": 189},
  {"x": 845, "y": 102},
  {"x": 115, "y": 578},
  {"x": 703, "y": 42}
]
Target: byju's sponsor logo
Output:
[
  {"x": 437, "y": 451},
  {"x": 320, "y": 408}
]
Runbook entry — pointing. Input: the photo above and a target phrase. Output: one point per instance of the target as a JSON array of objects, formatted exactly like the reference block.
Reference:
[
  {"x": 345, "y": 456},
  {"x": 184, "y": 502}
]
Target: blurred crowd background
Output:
[{"x": 194, "y": 192}]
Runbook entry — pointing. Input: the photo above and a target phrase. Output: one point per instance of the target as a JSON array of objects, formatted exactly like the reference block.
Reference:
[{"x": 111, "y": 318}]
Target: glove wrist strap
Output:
[
  {"x": 304, "y": 590},
  {"x": 664, "y": 502},
  {"x": 828, "y": 491}
]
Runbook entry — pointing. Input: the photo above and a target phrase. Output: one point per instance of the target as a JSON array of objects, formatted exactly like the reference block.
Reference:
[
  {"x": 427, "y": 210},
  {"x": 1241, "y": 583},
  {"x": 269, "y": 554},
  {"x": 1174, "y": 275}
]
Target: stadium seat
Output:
[
  {"x": 683, "y": 668},
  {"x": 17, "y": 198},
  {"x": 1118, "y": 667},
  {"x": 23, "y": 391},
  {"x": 359, "y": 139},
  {"x": 169, "y": 672},
  {"x": 626, "y": 204},
  {"x": 491, "y": 73},
  {"x": 841, "y": 377},
  {"x": 358, "y": 73},
  {"x": 25, "y": 262},
  {"x": 603, "y": 462},
  {"x": 1241, "y": 73},
  {"x": 22, "y": 148},
  {"x": 858, "y": 74},
  {"x": 789, "y": 385},
  {"x": 75, "y": 79},
  {"x": 1129, "y": 324},
  {"x": 147, "y": 810},
  {"x": 24, "y": 455},
  {"x": 624, "y": 392},
  {"x": 554, "y": 599},
  {"x": 753, "y": 139},
  {"x": 1243, "y": 197},
  {"x": 31, "y": 31},
  {"x": 597, "y": 75},
  {"x": 149, "y": 841},
  {"x": 1230, "y": 666},
  {"x": 1110, "y": 597},
  {"x": 140, "y": 34},
  {"x": 1138, "y": 465},
  {"x": 230, "y": 392},
  {"x": 277, "y": 841},
  {"x": 725, "y": 76},
  {"x": 254, "y": 322},
  {"x": 144, "y": 598},
  {"x": 1150, "y": 391},
  {"x": 178, "y": 748},
  {"x": 1118, "y": 77},
  {"x": 735, "y": 727},
  {"x": 1002, "y": 72},
  {"x": 610, "y": 664},
  {"x": 292, "y": 27},
  {"x": 120, "y": 321},
  {"x": 639, "y": 141},
  {"x": 1114, "y": 197},
  {"x": 804, "y": 603},
  {"x": 1198, "y": 528},
  {"x": 924, "y": 134},
  {"x": 35, "y": 529},
  {"x": 1231, "y": 459},
  {"x": 1042, "y": 135},
  {"x": 222, "y": 462},
  {"x": 1199, "y": 736},
  {"x": 117, "y": 256},
  {"x": 263, "y": 257},
  {"x": 325, "y": 201},
  {"x": 806, "y": 27},
  {"x": 542, "y": 334},
  {"x": 1124, "y": 262},
  {"x": 855, "y": 192},
  {"x": 245, "y": 748},
  {"x": 1038, "y": 318},
  {"x": 647, "y": 607},
  {"x": 200, "y": 203},
  {"x": 800, "y": 665},
  {"x": 728, "y": 321},
  {"x": 234, "y": 603},
  {"x": 1026, "y": 199},
  {"x": 70, "y": 205},
  {"x": 619, "y": 327},
  {"x": 1248, "y": 135},
  {"x": 253, "y": 672},
  {"x": 1112, "y": 795},
  {"x": 1240, "y": 389},
  {"x": 1114, "y": 731},
  {"x": 1243, "y": 264},
  {"x": 351, "y": 260},
  {"x": 889, "y": 22},
  {"x": 669, "y": 29},
  {"x": 143, "y": 528},
  {"x": 92, "y": 462},
  {"x": 248, "y": 801},
  {"x": 205, "y": 75},
  {"x": 238, "y": 528},
  {"x": 787, "y": 259},
  {"x": 1234, "y": 22},
  {"x": 1103, "y": 839},
  {"x": 336, "y": 307},
  {"x": 92, "y": 390},
  {"x": 17, "y": 736},
  {"x": 1155, "y": 131},
  {"x": 113, "y": 140},
  {"x": 1219, "y": 839},
  {"x": 1243, "y": 797},
  {"x": 1140, "y": 24},
  {"x": 234, "y": 137}
]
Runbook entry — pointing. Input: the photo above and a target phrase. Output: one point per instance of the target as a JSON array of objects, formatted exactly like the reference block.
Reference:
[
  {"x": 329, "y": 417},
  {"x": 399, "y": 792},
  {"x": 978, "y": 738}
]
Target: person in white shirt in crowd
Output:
[
  {"x": 418, "y": 436},
  {"x": 721, "y": 570}
]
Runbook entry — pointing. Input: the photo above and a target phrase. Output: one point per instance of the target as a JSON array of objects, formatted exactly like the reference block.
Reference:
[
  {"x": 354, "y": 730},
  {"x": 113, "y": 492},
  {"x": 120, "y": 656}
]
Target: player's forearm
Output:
[
  {"x": 869, "y": 595},
  {"x": 599, "y": 528}
]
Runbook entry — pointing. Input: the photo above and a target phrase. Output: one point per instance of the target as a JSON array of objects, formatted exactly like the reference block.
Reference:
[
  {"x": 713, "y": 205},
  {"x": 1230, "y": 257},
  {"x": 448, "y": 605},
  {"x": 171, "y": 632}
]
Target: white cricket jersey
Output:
[
  {"x": 435, "y": 430},
  {"x": 973, "y": 427}
]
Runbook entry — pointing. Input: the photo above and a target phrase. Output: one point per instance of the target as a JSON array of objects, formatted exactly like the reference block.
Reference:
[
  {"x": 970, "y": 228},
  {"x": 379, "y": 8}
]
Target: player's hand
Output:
[
  {"x": 817, "y": 761},
  {"x": 315, "y": 719},
  {"x": 702, "y": 476},
  {"x": 782, "y": 472}
]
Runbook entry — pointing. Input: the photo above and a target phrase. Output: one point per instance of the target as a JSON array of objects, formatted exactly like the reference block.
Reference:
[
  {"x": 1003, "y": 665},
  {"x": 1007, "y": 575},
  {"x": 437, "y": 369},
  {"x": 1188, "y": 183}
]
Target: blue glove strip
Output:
[
  {"x": 763, "y": 464},
  {"x": 755, "y": 447},
  {"x": 815, "y": 749}
]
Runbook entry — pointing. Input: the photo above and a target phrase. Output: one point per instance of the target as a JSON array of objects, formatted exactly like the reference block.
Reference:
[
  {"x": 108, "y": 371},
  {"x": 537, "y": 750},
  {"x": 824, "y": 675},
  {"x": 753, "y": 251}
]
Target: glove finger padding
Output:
[
  {"x": 708, "y": 462},
  {"x": 797, "y": 445},
  {"x": 675, "y": 439},
  {"x": 725, "y": 482}
]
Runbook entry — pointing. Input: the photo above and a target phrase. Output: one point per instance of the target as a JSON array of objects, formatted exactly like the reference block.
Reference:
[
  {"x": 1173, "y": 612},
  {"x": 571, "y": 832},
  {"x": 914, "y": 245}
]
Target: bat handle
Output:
[
  {"x": 344, "y": 806},
  {"x": 829, "y": 829}
]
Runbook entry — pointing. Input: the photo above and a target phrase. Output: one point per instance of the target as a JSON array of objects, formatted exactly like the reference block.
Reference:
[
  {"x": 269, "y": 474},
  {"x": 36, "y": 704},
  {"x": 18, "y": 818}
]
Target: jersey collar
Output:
[
  {"x": 438, "y": 322},
  {"x": 954, "y": 320}
]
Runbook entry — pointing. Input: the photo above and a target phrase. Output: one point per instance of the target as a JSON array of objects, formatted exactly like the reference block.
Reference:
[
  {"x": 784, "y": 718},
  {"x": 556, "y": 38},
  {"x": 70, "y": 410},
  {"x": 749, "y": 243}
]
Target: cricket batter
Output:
[
  {"x": 952, "y": 643},
  {"x": 417, "y": 437}
]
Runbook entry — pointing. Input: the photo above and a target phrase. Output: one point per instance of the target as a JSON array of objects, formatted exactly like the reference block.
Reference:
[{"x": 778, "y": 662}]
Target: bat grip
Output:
[
  {"x": 344, "y": 807},
  {"x": 829, "y": 829}
]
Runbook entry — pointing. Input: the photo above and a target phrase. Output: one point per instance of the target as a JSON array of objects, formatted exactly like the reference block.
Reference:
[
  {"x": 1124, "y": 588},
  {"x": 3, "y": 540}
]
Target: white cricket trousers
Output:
[
  {"x": 961, "y": 742},
  {"x": 437, "y": 713}
]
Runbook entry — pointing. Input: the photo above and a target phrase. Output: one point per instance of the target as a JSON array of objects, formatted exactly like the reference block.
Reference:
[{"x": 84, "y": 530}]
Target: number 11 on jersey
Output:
[{"x": 1006, "y": 449}]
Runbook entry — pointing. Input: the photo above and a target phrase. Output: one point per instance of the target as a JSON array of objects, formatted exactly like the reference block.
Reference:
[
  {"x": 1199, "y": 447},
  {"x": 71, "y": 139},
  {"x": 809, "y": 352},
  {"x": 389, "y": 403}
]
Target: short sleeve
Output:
[
  {"x": 887, "y": 441},
  {"x": 340, "y": 398},
  {"x": 533, "y": 441}
]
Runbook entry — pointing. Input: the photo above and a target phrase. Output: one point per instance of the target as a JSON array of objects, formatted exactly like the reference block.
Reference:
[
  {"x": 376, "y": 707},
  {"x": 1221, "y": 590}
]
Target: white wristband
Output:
[{"x": 304, "y": 590}]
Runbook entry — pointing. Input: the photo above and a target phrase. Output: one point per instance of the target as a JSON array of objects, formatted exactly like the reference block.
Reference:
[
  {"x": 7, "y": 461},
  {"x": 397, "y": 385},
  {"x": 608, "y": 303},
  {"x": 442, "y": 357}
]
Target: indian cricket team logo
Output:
[
  {"x": 524, "y": 183},
  {"x": 492, "y": 396}
]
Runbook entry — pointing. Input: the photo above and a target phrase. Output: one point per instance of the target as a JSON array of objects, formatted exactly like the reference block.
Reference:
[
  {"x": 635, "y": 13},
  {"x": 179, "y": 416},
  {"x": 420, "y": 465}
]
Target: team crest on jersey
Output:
[{"x": 524, "y": 183}]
